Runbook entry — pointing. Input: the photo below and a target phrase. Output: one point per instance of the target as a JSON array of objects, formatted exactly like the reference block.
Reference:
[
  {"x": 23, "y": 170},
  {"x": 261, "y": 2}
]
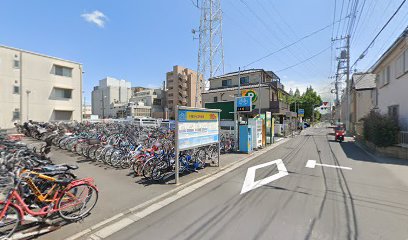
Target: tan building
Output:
[
  {"x": 265, "y": 87},
  {"x": 361, "y": 102},
  {"x": 38, "y": 87},
  {"x": 181, "y": 86}
]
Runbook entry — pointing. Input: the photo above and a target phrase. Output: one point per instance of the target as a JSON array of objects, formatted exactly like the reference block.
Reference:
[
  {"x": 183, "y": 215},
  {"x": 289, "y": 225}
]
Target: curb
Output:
[{"x": 107, "y": 227}]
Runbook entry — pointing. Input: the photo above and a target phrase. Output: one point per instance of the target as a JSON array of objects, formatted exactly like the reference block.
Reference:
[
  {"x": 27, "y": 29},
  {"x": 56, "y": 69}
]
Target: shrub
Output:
[{"x": 380, "y": 129}]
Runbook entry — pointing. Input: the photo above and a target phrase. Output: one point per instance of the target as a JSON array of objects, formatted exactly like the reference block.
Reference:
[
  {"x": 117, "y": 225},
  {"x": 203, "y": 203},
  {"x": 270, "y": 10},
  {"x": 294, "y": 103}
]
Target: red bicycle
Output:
[{"x": 71, "y": 199}]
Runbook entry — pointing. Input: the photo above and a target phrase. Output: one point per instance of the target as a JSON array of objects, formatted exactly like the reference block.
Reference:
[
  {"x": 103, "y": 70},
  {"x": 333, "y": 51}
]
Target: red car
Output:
[{"x": 339, "y": 132}]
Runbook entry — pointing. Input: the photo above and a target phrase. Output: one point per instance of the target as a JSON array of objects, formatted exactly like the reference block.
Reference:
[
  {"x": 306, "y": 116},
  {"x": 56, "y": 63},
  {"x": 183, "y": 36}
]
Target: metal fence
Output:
[{"x": 403, "y": 138}]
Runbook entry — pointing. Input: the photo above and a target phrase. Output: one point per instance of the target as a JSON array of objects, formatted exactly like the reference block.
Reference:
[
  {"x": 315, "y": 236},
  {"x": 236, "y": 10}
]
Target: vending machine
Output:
[
  {"x": 245, "y": 138},
  {"x": 256, "y": 132}
]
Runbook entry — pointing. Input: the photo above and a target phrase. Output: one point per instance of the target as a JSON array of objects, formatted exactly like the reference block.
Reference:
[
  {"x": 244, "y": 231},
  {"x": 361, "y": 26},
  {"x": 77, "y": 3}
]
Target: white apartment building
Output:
[
  {"x": 392, "y": 81},
  {"x": 38, "y": 87},
  {"x": 109, "y": 93}
]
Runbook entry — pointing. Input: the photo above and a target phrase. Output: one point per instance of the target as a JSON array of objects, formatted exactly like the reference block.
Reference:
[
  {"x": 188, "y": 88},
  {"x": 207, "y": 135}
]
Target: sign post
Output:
[{"x": 196, "y": 127}]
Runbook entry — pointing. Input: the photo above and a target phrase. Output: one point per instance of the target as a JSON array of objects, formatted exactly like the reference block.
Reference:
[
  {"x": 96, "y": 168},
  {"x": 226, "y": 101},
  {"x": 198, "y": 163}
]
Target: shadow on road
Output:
[{"x": 353, "y": 152}]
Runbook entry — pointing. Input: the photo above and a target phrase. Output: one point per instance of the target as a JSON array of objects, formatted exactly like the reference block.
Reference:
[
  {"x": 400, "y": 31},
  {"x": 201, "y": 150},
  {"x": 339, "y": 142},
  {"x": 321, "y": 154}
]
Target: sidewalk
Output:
[
  {"x": 399, "y": 167},
  {"x": 118, "y": 184}
]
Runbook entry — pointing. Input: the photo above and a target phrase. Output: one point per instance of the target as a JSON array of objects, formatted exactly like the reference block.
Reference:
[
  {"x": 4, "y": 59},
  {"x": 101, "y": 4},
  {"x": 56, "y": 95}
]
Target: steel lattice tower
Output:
[{"x": 211, "y": 50}]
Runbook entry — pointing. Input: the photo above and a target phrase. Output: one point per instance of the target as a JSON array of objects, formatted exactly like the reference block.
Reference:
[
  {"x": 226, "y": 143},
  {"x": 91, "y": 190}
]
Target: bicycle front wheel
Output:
[
  {"x": 77, "y": 202},
  {"x": 10, "y": 220}
]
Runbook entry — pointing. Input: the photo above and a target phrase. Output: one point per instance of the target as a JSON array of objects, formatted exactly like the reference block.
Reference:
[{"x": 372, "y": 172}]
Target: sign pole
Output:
[
  {"x": 219, "y": 140},
  {"x": 236, "y": 115},
  {"x": 177, "y": 162}
]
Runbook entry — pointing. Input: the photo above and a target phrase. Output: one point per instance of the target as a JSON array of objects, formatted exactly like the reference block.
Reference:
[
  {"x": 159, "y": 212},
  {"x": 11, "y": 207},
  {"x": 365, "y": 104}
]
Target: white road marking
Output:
[
  {"x": 250, "y": 184},
  {"x": 312, "y": 164},
  {"x": 167, "y": 197}
]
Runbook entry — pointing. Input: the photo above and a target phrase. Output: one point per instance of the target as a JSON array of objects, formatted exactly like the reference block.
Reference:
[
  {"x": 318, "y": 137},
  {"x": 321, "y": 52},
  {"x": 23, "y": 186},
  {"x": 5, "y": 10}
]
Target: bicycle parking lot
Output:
[{"x": 113, "y": 183}]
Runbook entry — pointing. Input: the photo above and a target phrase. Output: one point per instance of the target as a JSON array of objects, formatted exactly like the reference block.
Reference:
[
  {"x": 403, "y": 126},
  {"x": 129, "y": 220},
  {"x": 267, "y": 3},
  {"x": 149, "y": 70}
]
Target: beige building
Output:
[
  {"x": 392, "y": 81},
  {"x": 182, "y": 89},
  {"x": 361, "y": 102},
  {"x": 265, "y": 87},
  {"x": 38, "y": 87},
  {"x": 153, "y": 98}
]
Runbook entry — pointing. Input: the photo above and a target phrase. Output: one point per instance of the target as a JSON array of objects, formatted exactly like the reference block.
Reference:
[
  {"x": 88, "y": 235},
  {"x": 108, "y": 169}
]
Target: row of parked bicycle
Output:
[
  {"x": 149, "y": 152},
  {"x": 31, "y": 185}
]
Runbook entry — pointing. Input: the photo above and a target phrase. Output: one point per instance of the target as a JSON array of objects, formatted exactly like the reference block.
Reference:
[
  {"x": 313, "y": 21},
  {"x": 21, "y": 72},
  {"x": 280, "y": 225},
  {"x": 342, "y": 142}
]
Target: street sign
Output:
[
  {"x": 243, "y": 104},
  {"x": 301, "y": 112}
]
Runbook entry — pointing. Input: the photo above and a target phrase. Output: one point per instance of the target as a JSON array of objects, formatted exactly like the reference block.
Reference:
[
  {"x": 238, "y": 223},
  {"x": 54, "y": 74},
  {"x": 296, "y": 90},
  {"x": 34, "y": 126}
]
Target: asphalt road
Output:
[{"x": 367, "y": 202}]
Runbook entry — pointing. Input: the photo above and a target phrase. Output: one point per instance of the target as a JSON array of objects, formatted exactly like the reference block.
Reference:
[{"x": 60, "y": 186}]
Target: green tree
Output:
[{"x": 309, "y": 100}]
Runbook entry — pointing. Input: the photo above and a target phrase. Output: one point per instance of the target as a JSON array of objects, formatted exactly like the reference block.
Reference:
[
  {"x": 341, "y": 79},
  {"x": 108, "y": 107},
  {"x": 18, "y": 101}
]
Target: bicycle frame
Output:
[{"x": 16, "y": 200}]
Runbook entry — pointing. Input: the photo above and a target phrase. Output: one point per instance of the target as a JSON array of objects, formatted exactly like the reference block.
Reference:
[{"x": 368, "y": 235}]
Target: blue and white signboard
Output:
[
  {"x": 301, "y": 112},
  {"x": 243, "y": 104},
  {"x": 197, "y": 128}
]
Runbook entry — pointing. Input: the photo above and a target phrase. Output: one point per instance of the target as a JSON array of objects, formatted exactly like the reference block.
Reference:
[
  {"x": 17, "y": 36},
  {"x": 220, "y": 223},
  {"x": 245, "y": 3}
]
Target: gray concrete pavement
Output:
[
  {"x": 119, "y": 190},
  {"x": 367, "y": 202}
]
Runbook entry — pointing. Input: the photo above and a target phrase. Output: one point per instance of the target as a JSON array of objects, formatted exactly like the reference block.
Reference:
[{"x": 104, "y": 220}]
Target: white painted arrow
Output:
[
  {"x": 250, "y": 183},
  {"x": 312, "y": 164}
]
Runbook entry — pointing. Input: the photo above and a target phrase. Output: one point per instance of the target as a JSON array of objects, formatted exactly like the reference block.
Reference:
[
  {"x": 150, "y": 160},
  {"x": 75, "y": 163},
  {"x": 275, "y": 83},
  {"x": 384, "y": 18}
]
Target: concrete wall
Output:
[
  {"x": 364, "y": 103},
  {"x": 37, "y": 75}
]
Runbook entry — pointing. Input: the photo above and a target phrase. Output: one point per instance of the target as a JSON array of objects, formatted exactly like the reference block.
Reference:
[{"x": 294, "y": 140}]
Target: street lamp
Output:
[{"x": 28, "y": 94}]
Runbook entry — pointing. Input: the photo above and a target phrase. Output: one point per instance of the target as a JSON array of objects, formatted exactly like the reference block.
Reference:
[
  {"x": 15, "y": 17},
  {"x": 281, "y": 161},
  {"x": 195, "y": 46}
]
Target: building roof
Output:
[
  {"x": 363, "y": 81},
  {"x": 270, "y": 73},
  {"x": 39, "y": 54},
  {"x": 390, "y": 49}
]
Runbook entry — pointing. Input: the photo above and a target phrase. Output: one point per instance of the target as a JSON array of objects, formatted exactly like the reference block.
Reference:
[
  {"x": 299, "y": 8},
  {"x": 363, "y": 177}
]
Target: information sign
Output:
[
  {"x": 197, "y": 128},
  {"x": 243, "y": 104}
]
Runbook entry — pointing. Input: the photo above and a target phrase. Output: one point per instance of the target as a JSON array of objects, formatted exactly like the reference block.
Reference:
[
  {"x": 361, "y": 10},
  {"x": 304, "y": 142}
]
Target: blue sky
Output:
[{"x": 141, "y": 40}]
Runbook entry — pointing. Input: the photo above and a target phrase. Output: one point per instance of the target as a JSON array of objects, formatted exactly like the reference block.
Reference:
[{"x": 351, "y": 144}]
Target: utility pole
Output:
[
  {"x": 28, "y": 106},
  {"x": 343, "y": 59},
  {"x": 348, "y": 83}
]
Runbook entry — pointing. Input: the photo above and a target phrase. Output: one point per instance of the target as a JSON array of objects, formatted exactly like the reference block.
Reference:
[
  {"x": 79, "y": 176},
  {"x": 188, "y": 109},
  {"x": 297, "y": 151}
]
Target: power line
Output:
[
  {"x": 291, "y": 44},
  {"x": 372, "y": 42},
  {"x": 294, "y": 65}
]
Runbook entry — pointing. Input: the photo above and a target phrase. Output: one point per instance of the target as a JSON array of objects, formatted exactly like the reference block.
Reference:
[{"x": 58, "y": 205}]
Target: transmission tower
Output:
[{"x": 211, "y": 50}]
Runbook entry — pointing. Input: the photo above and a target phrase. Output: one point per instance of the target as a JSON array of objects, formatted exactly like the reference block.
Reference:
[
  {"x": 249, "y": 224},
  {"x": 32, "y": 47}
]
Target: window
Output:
[
  {"x": 393, "y": 112},
  {"x": 215, "y": 99},
  {"x": 16, "y": 114},
  {"x": 387, "y": 75},
  {"x": 156, "y": 101},
  {"x": 406, "y": 61},
  {"x": 63, "y": 93},
  {"x": 399, "y": 66},
  {"x": 63, "y": 71},
  {"x": 62, "y": 115},
  {"x": 16, "y": 63},
  {"x": 244, "y": 80},
  {"x": 226, "y": 83},
  {"x": 16, "y": 89}
]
